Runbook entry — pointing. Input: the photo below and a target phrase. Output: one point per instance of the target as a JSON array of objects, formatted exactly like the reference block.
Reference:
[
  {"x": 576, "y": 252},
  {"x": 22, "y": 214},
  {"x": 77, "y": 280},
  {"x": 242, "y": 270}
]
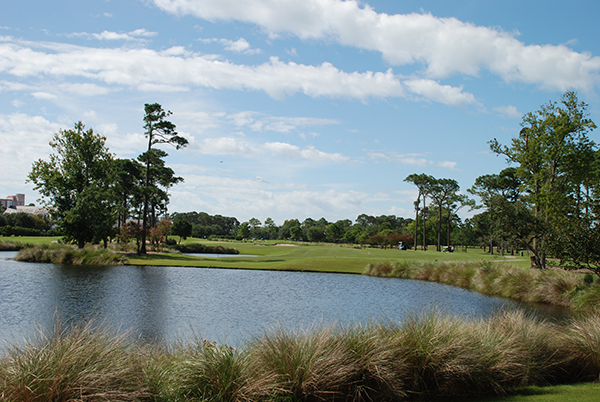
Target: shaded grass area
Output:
[
  {"x": 429, "y": 356},
  {"x": 557, "y": 287}
]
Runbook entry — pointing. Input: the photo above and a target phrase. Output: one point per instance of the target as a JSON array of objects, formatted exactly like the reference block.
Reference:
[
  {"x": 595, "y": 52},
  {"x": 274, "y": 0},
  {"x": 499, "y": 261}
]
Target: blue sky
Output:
[{"x": 293, "y": 109}]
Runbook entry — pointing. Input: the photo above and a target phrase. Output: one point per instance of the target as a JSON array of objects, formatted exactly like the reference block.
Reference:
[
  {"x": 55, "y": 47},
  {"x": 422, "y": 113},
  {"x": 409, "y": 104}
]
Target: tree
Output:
[
  {"x": 158, "y": 131},
  {"x": 254, "y": 225},
  {"x": 182, "y": 228},
  {"x": 441, "y": 191},
  {"x": 127, "y": 177},
  {"x": 423, "y": 183},
  {"x": 554, "y": 156},
  {"x": 495, "y": 191},
  {"x": 75, "y": 184}
]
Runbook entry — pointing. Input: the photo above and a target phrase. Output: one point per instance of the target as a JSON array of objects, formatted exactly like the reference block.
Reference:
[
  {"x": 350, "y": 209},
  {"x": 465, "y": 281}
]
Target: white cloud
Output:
[
  {"x": 85, "y": 89},
  {"x": 508, "y": 111},
  {"x": 446, "y": 94},
  {"x": 247, "y": 198},
  {"x": 239, "y": 46},
  {"x": 446, "y": 46},
  {"x": 259, "y": 122},
  {"x": 43, "y": 95},
  {"x": 24, "y": 139},
  {"x": 239, "y": 147},
  {"x": 417, "y": 160},
  {"x": 151, "y": 70},
  {"x": 138, "y": 34}
]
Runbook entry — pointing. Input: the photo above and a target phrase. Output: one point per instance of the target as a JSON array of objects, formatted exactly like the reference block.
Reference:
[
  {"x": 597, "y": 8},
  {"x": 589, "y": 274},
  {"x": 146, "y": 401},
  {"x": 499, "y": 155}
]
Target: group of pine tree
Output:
[{"x": 545, "y": 202}]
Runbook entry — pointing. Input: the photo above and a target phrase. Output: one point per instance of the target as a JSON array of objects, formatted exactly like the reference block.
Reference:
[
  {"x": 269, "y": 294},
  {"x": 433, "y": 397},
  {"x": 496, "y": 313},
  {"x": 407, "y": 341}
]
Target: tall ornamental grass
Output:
[
  {"x": 70, "y": 255},
  {"x": 427, "y": 356},
  {"x": 558, "y": 287},
  {"x": 80, "y": 362}
]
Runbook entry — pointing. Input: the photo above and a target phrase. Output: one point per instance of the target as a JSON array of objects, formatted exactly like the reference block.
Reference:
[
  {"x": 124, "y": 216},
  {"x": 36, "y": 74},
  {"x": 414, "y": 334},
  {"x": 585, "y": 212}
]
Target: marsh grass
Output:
[
  {"x": 562, "y": 288},
  {"x": 213, "y": 372},
  {"x": 428, "y": 355},
  {"x": 580, "y": 342},
  {"x": 12, "y": 245},
  {"x": 70, "y": 255},
  {"x": 306, "y": 365},
  {"x": 79, "y": 362}
]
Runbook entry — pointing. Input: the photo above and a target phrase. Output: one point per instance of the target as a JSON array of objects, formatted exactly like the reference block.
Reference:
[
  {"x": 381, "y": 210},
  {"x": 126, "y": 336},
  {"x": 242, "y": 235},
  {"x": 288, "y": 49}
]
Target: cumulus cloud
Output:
[
  {"x": 175, "y": 69},
  {"x": 24, "y": 140},
  {"x": 445, "y": 46},
  {"x": 446, "y": 94},
  {"x": 239, "y": 46}
]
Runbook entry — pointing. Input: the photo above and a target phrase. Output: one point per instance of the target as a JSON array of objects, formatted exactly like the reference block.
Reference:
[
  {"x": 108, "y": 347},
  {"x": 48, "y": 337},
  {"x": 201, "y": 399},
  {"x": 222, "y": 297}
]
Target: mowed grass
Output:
[
  {"x": 321, "y": 257},
  {"x": 31, "y": 239},
  {"x": 585, "y": 392}
]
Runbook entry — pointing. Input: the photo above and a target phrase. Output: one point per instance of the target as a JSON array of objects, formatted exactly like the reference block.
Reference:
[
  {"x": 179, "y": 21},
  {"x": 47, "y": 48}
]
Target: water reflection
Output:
[{"x": 169, "y": 303}]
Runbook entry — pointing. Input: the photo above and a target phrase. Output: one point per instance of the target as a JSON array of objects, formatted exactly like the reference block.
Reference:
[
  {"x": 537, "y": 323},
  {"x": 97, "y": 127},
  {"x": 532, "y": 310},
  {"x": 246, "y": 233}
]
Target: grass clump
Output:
[
  {"x": 70, "y": 255},
  {"x": 306, "y": 365},
  {"x": 429, "y": 355},
  {"x": 561, "y": 288},
  {"x": 211, "y": 372},
  {"x": 12, "y": 245},
  {"x": 80, "y": 362}
]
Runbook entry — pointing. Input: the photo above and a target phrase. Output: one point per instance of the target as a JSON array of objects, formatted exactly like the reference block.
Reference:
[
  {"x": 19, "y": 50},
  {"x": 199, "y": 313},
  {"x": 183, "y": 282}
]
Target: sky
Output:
[{"x": 292, "y": 108}]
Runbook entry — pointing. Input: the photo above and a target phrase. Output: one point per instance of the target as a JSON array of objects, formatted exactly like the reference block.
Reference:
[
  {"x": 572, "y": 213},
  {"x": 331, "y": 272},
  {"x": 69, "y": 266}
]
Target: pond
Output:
[{"x": 165, "y": 304}]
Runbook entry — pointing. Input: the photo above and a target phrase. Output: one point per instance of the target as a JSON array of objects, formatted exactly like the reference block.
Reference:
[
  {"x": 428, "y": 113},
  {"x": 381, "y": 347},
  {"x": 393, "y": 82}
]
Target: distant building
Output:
[
  {"x": 13, "y": 201},
  {"x": 39, "y": 211}
]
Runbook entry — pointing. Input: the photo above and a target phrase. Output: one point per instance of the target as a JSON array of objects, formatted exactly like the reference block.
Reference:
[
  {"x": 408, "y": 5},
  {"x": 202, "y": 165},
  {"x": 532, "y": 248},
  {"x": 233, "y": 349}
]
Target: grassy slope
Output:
[{"x": 304, "y": 257}]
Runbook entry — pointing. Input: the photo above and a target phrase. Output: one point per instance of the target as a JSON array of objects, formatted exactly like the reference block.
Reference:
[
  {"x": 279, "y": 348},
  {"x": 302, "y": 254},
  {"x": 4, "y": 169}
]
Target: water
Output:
[{"x": 172, "y": 303}]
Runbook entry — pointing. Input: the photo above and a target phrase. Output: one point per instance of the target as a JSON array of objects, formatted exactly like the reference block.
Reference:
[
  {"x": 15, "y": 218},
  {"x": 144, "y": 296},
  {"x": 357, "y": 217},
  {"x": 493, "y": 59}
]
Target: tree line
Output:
[
  {"x": 383, "y": 231},
  {"x": 546, "y": 201}
]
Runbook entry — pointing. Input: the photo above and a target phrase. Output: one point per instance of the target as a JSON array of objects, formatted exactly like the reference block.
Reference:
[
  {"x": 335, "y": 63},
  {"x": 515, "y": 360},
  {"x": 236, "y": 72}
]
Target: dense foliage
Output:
[{"x": 93, "y": 196}]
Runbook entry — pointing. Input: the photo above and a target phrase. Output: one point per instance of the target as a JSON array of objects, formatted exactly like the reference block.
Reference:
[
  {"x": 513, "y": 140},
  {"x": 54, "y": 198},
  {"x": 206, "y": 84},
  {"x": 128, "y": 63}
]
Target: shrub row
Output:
[
  {"x": 426, "y": 356},
  {"x": 557, "y": 287},
  {"x": 205, "y": 249}
]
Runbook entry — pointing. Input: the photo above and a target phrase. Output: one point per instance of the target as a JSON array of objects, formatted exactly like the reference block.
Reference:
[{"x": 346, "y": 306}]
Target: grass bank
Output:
[
  {"x": 70, "y": 255},
  {"x": 557, "y": 287},
  {"x": 427, "y": 356}
]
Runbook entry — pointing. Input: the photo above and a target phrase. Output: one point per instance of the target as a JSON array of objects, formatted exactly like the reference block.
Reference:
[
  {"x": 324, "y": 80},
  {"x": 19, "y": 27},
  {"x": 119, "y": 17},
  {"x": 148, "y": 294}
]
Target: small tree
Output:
[
  {"x": 183, "y": 229},
  {"x": 75, "y": 184}
]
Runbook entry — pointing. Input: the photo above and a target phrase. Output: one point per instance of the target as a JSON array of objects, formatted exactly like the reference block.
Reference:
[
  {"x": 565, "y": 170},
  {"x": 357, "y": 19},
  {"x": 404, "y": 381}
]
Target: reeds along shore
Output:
[
  {"x": 426, "y": 356},
  {"x": 581, "y": 292}
]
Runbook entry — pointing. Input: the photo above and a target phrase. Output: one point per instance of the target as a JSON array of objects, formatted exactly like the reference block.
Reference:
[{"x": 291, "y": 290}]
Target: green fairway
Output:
[
  {"x": 587, "y": 392},
  {"x": 309, "y": 257},
  {"x": 31, "y": 239}
]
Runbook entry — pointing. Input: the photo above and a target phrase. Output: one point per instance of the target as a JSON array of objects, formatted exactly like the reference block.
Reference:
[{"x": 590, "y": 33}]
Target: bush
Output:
[
  {"x": 70, "y": 255},
  {"x": 205, "y": 249}
]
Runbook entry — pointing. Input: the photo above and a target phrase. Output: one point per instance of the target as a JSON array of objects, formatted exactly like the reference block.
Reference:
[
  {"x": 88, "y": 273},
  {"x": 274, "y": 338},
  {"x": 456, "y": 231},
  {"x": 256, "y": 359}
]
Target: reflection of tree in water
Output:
[
  {"x": 151, "y": 310},
  {"x": 77, "y": 292}
]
